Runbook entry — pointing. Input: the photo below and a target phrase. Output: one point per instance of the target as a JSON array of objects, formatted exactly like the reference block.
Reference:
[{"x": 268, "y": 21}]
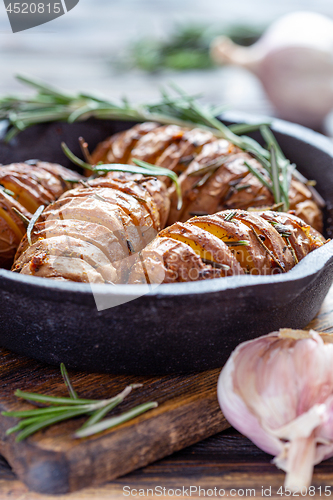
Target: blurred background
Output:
[{"x": 134, "y": 47}]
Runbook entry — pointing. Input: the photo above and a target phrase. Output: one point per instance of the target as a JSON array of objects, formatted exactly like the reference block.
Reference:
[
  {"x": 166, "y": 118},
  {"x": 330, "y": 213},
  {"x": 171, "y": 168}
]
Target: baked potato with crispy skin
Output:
[
  {"x": 26, "y": 186},
  {"x": 95, "y": 228},
  {"x": 225, "y": 183},
  {"x": 245, "y": 242}
]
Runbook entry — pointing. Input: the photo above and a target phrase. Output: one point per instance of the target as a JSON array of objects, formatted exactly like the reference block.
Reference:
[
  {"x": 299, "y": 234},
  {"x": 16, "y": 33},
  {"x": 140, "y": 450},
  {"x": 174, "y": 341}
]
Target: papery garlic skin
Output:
[
  {"x": 278, "y": 391},
  {"x": 294, "y": 62}
]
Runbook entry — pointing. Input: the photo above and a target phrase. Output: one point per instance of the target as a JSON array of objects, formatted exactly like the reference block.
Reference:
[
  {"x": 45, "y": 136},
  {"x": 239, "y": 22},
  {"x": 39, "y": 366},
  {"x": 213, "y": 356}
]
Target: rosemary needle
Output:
[
  {"x": 23, "y": 218},
  {"x": 67, "y": 381},
  {"x": 61, "y": 409},
  {"x": 140, "y": 167},
  {"x": 33, "y": 221}
]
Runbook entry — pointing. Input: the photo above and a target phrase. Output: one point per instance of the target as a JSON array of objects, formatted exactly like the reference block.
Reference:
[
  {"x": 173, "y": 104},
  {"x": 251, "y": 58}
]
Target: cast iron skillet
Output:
[{"x": 182, "y": 327}]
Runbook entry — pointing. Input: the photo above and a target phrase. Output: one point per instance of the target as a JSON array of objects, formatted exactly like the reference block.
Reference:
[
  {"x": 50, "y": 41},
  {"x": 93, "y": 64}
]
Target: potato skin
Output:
[
  {"x": 303, "y": 238},
  {"x": 252, "y": 258},
  {"x": 185, "y": 151},
  {"x": 66, "y": 247},
  {"x": 266, "y": 251},
  {"x": 57, "y": 267},
  {"x": 104, "y": 223},
  {"x": 205, "y": 244},
  {"x": 152, "y": 190},
  {"x": 117, "y": 148},
  {"x": 269, "y": 236},
  {"x": 12, "y": 228},
  {"x": 31, "y": 184},
  {"x": 166, "y": 260},
  {"x": 93, "y": 233}
]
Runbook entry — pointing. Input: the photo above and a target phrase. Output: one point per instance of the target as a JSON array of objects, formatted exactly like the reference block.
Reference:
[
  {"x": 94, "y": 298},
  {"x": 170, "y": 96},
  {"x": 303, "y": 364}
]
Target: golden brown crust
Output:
[
  {"x": 152, "y": 145},
  {"x": 117, "y": 148},
  {"x": 93, "y": 233},
  {"x": 30, "y": 185},
  {"x": 303, "y": 238},
  {"x": 252, "y": 257},
  {"x": 66, "y": 247},
  {"x": 205, "y": 244},
  {"x": 12, "y": 228},
  {"x": 166, "y": 260},
  {"x": 269, "y": 237},
  {"x": 153, "y": 191},
  {"x": 175, "y": 147},
  {"x": 98, "y": 223}
]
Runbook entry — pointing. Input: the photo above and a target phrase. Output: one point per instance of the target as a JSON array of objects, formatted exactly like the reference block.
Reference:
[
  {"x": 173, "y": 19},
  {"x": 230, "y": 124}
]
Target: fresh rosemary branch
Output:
[
  {"x": 140, "y": 167},
  {"x": 50, "y": 104},
  {"x": 60, "y": 409},
  {"x": 186, "y": 47}
]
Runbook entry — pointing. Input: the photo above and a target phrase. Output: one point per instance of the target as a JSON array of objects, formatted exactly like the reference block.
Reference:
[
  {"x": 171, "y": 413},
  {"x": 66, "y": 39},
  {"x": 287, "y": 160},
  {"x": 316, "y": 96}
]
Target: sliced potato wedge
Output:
[
  {"x": 166, "y": 260},
  {"x": 209, "y": 247},
  {"x": 70, "y": 248}
]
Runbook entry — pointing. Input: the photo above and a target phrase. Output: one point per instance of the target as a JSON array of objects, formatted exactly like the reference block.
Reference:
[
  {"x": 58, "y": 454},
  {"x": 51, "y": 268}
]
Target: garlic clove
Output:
[
  {"x": 294, "y": 62},
  {"x": 278, "y": 391}
]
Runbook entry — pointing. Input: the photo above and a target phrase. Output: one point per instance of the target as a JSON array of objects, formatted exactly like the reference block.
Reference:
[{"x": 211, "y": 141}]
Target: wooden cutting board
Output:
[{"x": 53, "y": 462}]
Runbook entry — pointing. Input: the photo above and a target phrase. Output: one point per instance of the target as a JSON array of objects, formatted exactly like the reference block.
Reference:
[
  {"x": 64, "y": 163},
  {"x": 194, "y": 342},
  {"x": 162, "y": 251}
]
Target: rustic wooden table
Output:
[{"x": 226, "y": 464}]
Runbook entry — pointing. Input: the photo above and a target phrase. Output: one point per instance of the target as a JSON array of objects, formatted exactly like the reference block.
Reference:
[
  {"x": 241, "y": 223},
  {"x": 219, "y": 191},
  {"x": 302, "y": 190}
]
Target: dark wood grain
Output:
[
  {"x": 53, "y": 461},
  {"x": 226, "y": 460}
]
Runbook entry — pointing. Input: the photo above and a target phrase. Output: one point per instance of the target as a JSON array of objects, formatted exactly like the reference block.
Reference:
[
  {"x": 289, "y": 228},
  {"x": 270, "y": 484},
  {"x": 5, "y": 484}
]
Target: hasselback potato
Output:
[
  {"x": 213, "y": 173},
  {"x": 91, "y": 232},
  {"x": 245, "y": 242},
  {"x": 24, "y": 187}
]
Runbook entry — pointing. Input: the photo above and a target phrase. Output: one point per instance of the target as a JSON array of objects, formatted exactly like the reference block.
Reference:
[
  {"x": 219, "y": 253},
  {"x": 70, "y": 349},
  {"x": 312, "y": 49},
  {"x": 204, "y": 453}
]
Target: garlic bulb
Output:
[
  {"x": 278, "y": 391},
  {"x": 294, "y": 61}
]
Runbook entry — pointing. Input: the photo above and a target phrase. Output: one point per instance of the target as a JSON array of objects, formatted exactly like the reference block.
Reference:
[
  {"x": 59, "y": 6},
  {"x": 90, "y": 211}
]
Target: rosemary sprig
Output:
[
  {"x": 203, "y": 180},
  {"x": 140, "y": 167},
  {"x": 285, "y": 233},
  {"x": 291, "y": 249},
  {"x": 114, "y": 421},
  {"x": 50, "y": 104},
  {"x": 281, "y": 229},
  {"x": 61, "y": 409},
  {"x": 143, "y": 168},
  {"x": 74, "y": 159},
  {"x": 33, "y": 221},
  {"x": 245, "y": 128},
  {"x": 259, "y": 175},
  {"x": 275, "y": 176}
]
